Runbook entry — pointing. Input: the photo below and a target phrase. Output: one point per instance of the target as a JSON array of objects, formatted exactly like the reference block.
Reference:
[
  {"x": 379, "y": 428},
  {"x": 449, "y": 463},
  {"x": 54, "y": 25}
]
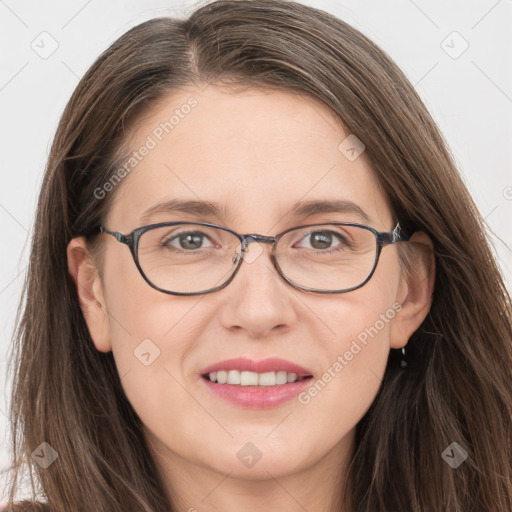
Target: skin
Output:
[{"x": 256, "y": 152}]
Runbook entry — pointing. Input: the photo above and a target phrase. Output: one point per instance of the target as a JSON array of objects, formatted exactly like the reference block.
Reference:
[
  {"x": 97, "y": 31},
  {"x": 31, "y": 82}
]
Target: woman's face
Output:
[{"x": 255, "y": 154}]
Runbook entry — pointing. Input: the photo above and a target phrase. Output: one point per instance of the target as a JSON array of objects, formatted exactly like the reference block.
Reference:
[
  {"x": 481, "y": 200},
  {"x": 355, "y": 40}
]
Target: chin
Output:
[{"x": 258, "y": 460}]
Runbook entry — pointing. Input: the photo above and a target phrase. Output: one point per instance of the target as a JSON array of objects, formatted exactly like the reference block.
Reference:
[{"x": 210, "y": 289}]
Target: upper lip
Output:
[{"x": 273, "y": 364}]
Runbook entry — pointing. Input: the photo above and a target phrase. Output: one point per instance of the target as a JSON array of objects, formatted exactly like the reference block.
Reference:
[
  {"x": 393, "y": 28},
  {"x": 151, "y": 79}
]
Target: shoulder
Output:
[{"x": 25, "y": 506}]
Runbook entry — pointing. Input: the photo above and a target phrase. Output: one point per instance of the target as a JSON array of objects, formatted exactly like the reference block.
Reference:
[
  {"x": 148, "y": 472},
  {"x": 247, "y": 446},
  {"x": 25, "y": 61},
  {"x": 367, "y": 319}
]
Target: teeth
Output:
[
  {"x": 267, "y": 379},
  {"x": 245, "y": 378},
  {"x": 233, "y": 377},
  {"x": 248, "y": 378},
  {"x": 281, "y": 378}
]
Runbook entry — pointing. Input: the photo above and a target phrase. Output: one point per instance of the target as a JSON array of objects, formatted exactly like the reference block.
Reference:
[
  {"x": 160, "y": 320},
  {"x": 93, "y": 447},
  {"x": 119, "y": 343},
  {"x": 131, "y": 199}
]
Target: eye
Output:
[
  {"x": 188, "y": 240},
  {"x": 324, "y": 239}
]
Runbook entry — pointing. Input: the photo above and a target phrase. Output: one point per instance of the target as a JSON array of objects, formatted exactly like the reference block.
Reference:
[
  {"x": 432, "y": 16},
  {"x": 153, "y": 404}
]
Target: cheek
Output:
[
  {"x": 356, "y": 351},
  {"x": 136, "y": 310},
  {"x": 352, "y": 376},
  {"x": 149, "y": 331},
  {"x": 151, "y": 340},
  {"x": 149, "y": 328}
]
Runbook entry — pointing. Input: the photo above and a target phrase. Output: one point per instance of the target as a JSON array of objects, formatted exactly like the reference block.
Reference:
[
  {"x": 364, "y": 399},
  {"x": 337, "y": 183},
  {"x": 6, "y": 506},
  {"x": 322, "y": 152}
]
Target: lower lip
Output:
[{"x": 258, "y": 397}]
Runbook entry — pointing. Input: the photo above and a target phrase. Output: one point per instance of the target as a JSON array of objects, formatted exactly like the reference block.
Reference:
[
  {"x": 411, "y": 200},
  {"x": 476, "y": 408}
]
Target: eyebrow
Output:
[
  {"x": 192, "y": 207},
  {"x": 310, "y": 208},
  {"x": 209, "y": 209}
]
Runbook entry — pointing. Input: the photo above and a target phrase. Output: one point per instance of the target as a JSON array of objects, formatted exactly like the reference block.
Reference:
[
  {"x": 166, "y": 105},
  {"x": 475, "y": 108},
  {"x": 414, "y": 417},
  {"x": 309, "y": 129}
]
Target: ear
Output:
[
  {"x": 415, "y": 290},
  {"x": 90, "y": 293}
]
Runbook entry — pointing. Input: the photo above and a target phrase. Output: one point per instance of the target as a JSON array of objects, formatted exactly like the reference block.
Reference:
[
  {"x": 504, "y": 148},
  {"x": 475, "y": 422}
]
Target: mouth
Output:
[
  {"x": 247, "y": 378},
  {"x": 256, "y": 384}
]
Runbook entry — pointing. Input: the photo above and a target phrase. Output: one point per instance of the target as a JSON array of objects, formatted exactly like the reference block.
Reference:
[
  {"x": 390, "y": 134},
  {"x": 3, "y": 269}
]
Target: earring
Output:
[{"x": 403, "y": 362}]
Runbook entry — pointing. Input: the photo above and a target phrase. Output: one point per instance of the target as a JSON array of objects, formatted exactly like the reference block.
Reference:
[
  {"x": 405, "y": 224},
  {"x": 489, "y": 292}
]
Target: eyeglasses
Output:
[{"x": 193, "y": 258}]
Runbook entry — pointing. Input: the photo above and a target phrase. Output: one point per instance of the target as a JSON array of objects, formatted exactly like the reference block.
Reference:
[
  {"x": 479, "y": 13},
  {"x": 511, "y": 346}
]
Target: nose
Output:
[{"x": 258, "y": 300}]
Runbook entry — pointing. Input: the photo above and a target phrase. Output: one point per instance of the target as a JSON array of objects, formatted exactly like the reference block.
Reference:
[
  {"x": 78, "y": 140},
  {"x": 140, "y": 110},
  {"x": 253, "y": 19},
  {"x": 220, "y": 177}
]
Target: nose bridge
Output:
[
  {"x": 250, "y": 256},
  {"x": 247, "y": 239}
]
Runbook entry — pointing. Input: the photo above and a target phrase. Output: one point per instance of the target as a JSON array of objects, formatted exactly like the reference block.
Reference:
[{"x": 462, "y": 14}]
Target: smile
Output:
[
  {"x": 256, "y": 384},
  {"x": 246, "y": 378}
]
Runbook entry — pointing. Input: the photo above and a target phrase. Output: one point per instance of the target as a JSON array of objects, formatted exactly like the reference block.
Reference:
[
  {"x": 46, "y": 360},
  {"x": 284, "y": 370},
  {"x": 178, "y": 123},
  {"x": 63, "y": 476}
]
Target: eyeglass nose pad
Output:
[{"x": 252, "y": 255}]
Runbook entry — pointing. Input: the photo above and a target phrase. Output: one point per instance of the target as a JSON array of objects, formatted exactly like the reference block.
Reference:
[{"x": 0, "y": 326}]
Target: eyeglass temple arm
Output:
[
  {"x": 118, "y": 236},
  {"x": 397, "y": 235}
]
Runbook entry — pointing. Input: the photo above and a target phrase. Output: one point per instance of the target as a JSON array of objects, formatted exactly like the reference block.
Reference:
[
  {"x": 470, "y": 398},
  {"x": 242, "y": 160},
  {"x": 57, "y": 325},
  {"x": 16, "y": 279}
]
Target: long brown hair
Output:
[{"x": 457, "y": 386}]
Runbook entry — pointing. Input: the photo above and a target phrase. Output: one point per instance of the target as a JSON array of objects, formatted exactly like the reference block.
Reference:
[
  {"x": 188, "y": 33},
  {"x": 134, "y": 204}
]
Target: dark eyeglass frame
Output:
[{"x": 382, "y": 238}]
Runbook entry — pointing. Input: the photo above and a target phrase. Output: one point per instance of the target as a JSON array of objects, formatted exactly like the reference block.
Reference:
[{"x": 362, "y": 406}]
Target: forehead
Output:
[{"x": 255, "y": 153}]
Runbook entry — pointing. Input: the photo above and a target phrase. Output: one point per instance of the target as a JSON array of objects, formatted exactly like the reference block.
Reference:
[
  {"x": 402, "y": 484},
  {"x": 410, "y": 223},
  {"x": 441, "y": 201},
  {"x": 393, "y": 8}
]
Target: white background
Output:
[{"x": 469, "y": 96}]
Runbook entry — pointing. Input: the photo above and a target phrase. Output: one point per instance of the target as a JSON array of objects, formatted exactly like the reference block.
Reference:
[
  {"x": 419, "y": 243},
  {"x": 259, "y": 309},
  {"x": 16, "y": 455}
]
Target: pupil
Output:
[
  {"x": 321, "y": 240},
  {"x": 190, "y": 241}
]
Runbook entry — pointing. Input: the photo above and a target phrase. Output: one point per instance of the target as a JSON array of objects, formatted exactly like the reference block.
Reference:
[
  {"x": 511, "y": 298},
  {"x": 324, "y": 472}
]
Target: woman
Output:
[{"x": 353, "y": 354}]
